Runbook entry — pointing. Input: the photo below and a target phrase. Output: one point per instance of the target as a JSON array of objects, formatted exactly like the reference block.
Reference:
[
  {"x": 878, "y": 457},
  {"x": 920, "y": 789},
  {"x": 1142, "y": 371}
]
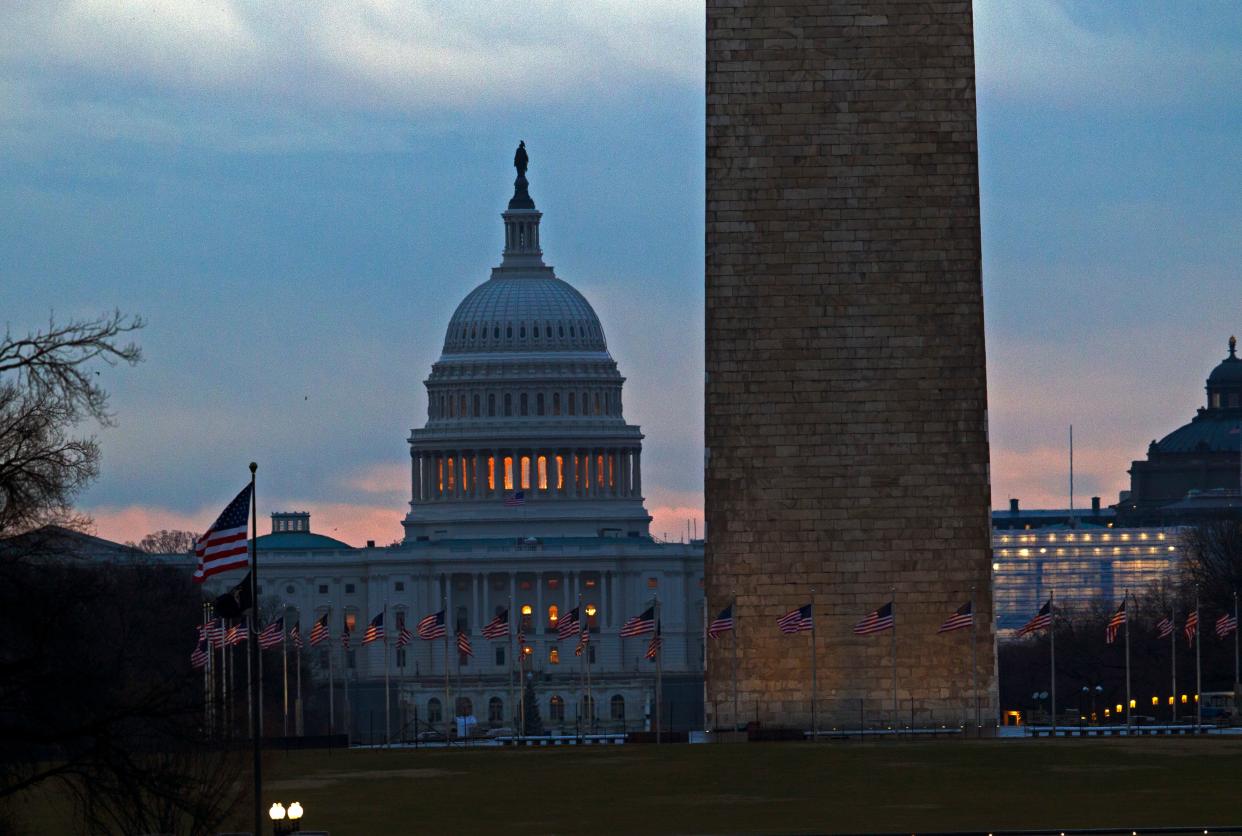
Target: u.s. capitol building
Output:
[{"x": 526, "y": 486}]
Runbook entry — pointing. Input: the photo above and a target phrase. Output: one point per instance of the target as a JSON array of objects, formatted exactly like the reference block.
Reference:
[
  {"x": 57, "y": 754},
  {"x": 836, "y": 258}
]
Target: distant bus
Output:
[{"x": 1217, "y": 705}]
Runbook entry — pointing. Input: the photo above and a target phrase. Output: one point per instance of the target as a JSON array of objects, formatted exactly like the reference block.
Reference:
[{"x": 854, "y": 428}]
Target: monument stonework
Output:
[{"x": 846, "y": 403}]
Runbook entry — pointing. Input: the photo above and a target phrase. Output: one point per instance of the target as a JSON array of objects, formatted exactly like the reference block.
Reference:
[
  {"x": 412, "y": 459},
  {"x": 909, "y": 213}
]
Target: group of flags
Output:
[
  {"x": 1225, "y": 625},
  {"x": 802, "y": 620}
]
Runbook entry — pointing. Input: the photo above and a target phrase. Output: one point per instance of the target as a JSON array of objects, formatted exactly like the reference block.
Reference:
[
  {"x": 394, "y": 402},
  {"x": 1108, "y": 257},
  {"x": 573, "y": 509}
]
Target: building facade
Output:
[
  {"x": 526, "y": 497},
  {"x": 846, "y": 396}
]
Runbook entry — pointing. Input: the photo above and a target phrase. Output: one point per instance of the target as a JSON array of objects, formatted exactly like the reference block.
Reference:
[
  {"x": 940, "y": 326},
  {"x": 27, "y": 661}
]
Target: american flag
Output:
[
  {"x": 237, "y": 634},
  {"x": 498, "y": 627},
  {"x": 521, "y": 637},
  {"x": 431, "y": 626},
  {"x": 1041, "y": 621},
  {"x": 272, "y": 635},
  {"x": 515, "y": 499},
  {"x": 639, "y": 625},
  {"x": 653, "y": 646},
  {"x": 404, "y": 636},
  {"x": 1225, "y": 625},
  {"x": 1164, "y": 627},
  {"x": 963, "y": 617},
  {"x": 876, "y": 621},
  {"x": 463, "y": 644},
  {"x": 345, "y": 637},
  {"x": 295, "y": 636},
  {"x": 1114, "y": 624},
  {"x": 198, "y": 658},
  {"x": 375, "y": 630},
  {"x": 796, "y": 621},
  {"x": 568, "y": 625},
  {"x": 1192, "y": 626},
  {"x": 721, "y": 624},
  {"x": 583, "y": 641},
  {"x": 320, "y": 631},
  {"x": 223, "y": 546},
  {"x": 215, "y": 633}
]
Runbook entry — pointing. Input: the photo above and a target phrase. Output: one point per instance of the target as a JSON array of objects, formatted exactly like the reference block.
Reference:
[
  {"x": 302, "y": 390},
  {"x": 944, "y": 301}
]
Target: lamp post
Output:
[{"x": 285, "y": 821}]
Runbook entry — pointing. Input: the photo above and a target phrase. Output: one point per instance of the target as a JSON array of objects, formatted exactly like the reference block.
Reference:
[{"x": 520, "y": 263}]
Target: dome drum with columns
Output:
[{"x": 525, "y": 434}]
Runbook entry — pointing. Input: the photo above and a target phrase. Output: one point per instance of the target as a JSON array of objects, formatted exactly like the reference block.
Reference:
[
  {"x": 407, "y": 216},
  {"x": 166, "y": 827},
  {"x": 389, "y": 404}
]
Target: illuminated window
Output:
[
  {"x": 599, "y": 471},
  {"x": 560, "y": 473},
  {"x": 508, "y": 473},
  {"x": 556, "y": 708},
  {"x": 612, "y": 470},
  {"x": 652, "y": 583},
  {"x": 591, "y": 583},
  {"x": 592, "y": 622},
  {"x": 451, "y": 467},
  {"x": 439, "y": 474},
  {"x": 491, "y": 473},
  {"x": 553, "y": 617},
  {"x": 525, "y": 472},
  {"x": 554, "y": 583},
  {"x": 467, "y": 468},
  {"x": 351, "y": 619},
  {"x": 554, "y": 657}
]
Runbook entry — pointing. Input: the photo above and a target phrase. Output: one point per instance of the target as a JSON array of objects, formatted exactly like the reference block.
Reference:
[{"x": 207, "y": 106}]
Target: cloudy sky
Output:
[{"x": 296, "y": 203}]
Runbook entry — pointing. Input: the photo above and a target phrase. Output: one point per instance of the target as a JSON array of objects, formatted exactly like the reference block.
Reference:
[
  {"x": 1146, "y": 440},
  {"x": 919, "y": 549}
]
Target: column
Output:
[{"x": 638, "y": 473}]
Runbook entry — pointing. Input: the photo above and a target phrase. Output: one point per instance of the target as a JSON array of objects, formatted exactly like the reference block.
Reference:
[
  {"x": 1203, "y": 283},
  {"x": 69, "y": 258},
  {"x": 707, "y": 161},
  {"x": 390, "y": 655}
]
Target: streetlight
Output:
[{"x": 285, "y": 821}]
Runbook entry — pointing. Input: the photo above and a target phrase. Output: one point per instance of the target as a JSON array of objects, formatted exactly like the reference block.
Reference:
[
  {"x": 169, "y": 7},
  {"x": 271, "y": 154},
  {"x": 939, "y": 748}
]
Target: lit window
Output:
[
  {"x": 451, "y": 467},
  {"x": 542, "y": 464},
  {"x": 525, "y": 472},
  {"x": 350, "y": 620},
  {"x": 526, "y": 609},
  {"x": 554, "y": 657},
  {"x": 491, "y": 473},
  {"x": 556, "y": 709},
  {"x": 652, "y": 583},
  {"x": 599, "y": 471},
  {"x": 553, "y": 616},
  {"x": 560, "y": 473},
  {"x": 508, "y": 472}
]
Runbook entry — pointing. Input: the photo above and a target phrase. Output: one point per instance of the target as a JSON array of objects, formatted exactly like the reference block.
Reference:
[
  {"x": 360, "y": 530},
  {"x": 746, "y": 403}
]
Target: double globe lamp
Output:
[{"x": 285, "y": 821}]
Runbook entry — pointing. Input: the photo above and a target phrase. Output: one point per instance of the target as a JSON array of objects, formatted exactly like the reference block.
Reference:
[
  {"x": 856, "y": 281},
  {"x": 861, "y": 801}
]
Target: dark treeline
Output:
[{"x": 1212, "y": 570}]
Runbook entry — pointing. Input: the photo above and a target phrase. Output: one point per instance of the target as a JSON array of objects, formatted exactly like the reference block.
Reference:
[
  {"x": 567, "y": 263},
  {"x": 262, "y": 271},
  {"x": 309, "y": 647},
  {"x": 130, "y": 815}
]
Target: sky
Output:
[{"x": 296, "y": 202}]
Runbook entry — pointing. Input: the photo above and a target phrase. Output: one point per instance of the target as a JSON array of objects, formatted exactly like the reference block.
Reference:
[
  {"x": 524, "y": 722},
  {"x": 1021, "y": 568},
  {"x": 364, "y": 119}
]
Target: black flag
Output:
[{"x": 236, "y": 601}]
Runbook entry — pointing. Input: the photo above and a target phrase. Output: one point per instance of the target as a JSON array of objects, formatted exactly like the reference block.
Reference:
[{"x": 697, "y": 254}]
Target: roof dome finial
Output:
[
  {"x": 1233, "y": 347},
  {"x": 521, "y": 197}
]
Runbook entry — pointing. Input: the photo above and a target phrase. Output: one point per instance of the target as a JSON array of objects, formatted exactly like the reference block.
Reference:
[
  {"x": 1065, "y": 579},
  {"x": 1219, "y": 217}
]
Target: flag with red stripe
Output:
[{"x": 224, "y": 545}]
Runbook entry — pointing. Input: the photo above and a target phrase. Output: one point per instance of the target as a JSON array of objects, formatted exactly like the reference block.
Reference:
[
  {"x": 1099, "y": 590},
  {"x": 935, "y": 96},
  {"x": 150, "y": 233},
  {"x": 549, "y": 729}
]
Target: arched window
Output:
[
  {"x": 491, "y": 473},
  {"x": 434, "y": 714},
  {"x": 508, "y": 404},
  {"x": 572, "y": 404},
  {"x": 491, "y": 406},
  {"x": 495, "y": 711},
  {"x": 553, "y": 616},
  {"x": 496, "y": 333},
  {"x": 509, "y": 332},
  {"x": 556, "y": 709},
  {"x": 542, "y": 466},
  {"x": 464, "y": 707},
  {"x": 616, "y": 707},
  {"x": 508, "y": 473},
  {"x": 554, "y": 656},
  {"x": 452, "y": 403},
  {"x": 526, "y": 618},
  {"x": 452, "y": 473},
  {"x": 561, "y": 331},
  {"x": 586, "y": 707},
  {"x": 522, "y": 332},
  {"x": 462, "y": 406},
  {"x": 476, "y": 406},
  {"x": 571, "y": 330},
  {"x": 539, "y": 404},
  {"x": 523, "y": 402},
  {"x": 597, "y": 408},
  {"x": 525, "y": 468},
  {"x": 556, "y": 403}
]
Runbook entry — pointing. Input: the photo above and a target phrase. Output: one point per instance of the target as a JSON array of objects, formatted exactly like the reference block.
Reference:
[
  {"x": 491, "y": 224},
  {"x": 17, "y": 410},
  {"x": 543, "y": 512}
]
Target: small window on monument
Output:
[
  {"x": 289, "y": 589},
  {"x": 399, "y": 586},
  {"x": 496, "y": 333},
  {"x": 522, "y": 332},
  {"x": 509, "y": 332},
  {"x": 349, "y": 589},
  {"x": 652, "y": 583},
  {"x": 571, "y": 330},
  {"x": 323, "y": 589},
  {"x": 561, "y": 330}
]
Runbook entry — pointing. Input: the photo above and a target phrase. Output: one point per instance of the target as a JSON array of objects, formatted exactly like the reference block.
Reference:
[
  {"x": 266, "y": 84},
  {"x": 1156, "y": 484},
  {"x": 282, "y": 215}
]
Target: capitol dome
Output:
[{"x": 525, "y": 435}]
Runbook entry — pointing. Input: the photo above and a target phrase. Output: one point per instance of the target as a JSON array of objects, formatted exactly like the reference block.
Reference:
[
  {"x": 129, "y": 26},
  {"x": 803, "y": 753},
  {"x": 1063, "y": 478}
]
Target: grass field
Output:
[{"x": 766, "y": 788}]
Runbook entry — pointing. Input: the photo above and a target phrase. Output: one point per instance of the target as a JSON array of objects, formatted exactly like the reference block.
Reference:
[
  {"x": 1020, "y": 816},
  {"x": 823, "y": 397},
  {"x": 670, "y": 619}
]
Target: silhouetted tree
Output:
[{"x": 167, "y": 541}]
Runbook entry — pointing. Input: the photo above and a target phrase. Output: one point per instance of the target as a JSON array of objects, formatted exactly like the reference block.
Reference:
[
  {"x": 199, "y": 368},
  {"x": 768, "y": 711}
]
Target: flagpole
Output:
[
  {"x": 1235, "y": 639},
  {"x": 1052, "y": 656},
  {"x": 974, "y": 657},
  {"x": 206, "y": 674},
  {"x": 387, "y": 689},
  {"x": 659, "y": 672},
  {"x": 444, "y": 612},
  {"x": 297, "y": 714},
  {"x": 251, "y": 681},
  {"x": 733, "y": 612},
  {"x": 1126, "y": 603},
  {"x": 331, "y": 681},
  {"x": 1198, "y": 669},
  {"x": 1173, "y": 657},
  {"x": 509, "y": 628},
  {"x": 254, "y": 649},
  {"x": 892, "y": 607},
  {"x": 814, "y": 677},
  {"x": 284, "y": 669},
  {"x": 226, "y": 678},
  {"x": 582, "y": 675}
]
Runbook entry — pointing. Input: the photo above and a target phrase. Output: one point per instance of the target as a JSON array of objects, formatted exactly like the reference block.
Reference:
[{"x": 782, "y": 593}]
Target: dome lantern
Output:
[{"x": 522, "y": 222}]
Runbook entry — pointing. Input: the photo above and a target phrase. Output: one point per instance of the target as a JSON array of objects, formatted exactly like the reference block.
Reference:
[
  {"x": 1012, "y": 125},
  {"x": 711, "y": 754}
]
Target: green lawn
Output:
[{"x": 752, "y": 788}]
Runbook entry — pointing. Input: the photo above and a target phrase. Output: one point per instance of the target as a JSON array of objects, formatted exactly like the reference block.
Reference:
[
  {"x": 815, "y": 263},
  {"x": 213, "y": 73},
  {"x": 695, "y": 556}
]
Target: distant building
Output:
[{"x": 1193, "y": 473}]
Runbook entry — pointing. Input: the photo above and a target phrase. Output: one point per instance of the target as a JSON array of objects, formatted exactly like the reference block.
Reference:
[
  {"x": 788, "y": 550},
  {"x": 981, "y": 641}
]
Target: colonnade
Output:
[{"x": 540, "y": 473}]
